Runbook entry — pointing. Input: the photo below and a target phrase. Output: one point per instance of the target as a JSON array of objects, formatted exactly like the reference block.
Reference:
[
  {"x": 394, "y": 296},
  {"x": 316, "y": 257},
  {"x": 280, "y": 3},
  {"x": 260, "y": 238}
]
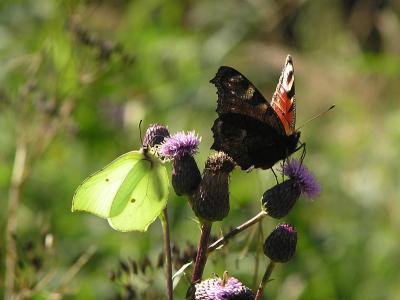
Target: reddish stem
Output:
[{"x": 201, "y": 257}]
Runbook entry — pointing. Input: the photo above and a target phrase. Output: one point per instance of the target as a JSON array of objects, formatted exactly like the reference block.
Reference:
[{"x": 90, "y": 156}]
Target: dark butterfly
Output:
[{"x": 253, "y": 131}]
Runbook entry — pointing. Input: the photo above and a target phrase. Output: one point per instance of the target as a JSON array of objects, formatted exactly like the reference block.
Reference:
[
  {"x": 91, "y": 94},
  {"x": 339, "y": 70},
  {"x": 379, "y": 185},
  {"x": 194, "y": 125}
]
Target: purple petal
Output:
[
  {"x": 180, "y": 144},
  {"x": 296, "y": 170}
]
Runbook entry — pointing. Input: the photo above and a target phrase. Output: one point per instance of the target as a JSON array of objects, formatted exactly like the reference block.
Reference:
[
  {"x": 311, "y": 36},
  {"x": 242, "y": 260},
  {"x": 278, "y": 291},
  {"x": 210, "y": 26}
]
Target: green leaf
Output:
[
  {"x": 178, "y": 275},
  {"x": 130, "y": 192}
]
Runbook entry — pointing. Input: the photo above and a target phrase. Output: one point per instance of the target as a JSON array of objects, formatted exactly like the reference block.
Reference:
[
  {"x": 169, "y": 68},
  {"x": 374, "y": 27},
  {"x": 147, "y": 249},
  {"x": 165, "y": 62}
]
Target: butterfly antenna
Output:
[
  {"x": 317, "y": 116},
  {"x": 140, "y": 132}
]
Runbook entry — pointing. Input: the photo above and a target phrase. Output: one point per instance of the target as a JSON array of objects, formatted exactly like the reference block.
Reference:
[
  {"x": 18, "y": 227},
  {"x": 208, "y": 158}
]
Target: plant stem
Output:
[
  {"x": 222, "y": 241},
  {"x": 13, "y": 203},
  {"x": 167, "y": 252},
  {"x": 265, "y": 279},
  {"x": 201, "y": 257}
]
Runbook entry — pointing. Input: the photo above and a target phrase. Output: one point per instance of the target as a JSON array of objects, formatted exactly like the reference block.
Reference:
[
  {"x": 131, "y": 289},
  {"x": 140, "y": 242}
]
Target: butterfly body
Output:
[{"x": 254, "y": 132}]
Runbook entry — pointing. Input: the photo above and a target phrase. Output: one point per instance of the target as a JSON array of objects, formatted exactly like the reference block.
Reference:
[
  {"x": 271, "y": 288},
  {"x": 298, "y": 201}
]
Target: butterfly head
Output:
[{"x": 154, "y": 136}]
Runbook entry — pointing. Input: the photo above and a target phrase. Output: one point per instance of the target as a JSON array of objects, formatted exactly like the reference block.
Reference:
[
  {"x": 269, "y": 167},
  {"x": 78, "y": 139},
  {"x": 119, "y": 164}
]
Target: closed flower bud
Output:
[
  {"x": 279, "y": 200},
  {"x": 155, "y": 135},
  {"x": 210, "y": 201},
  {"x": 185, "y": 174},
  {"x": 222, "y": 289},
  {"x": 280, "y": 245}
]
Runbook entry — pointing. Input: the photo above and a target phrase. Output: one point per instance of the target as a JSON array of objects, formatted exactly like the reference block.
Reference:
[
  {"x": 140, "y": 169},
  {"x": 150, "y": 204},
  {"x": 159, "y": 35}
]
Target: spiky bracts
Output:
[
  {"x": 211, "y": 199},
  {"x": 280, "y": 245}
]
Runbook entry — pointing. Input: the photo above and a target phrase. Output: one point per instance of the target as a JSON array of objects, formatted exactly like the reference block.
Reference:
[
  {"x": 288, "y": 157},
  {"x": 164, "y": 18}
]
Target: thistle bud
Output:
[
  {"x": 185, "y": 174},
  {"x": 222, "y": 289},
  {"x": 279, "y": 200},
  {"x": 280, "y": 245},
  {"x": 211, "y": 199},
  {"x": 155, "y": 135}
]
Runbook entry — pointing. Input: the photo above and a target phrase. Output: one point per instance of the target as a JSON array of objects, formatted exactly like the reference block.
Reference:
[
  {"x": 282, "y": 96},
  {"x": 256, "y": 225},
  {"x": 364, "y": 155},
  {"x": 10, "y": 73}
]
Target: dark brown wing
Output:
[
  {"x": 251, "y": 143},
  {"x": 236, "y": 94}
]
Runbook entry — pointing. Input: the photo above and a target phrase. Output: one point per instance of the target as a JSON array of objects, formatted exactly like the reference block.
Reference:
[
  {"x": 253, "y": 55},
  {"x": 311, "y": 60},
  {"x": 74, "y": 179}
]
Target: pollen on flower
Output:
[
  {"x": 180, "y": 144},
  {"x": 296, "y": 170}
]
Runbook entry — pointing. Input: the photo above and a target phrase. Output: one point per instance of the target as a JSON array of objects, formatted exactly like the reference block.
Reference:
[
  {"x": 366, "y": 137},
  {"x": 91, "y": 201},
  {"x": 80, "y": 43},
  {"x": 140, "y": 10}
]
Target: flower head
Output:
[
  {"x": 280, "y": 245},
  {"x": 222, "y": 289},
  {"x": 180, "y": 144},
  {"x": 296, "y": 170},
  {"x": 155, "y": 135}
]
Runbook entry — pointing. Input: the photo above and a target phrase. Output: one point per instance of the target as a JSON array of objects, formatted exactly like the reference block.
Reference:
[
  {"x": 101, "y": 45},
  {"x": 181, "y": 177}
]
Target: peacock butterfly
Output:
[{"x": 253, "y": 131}]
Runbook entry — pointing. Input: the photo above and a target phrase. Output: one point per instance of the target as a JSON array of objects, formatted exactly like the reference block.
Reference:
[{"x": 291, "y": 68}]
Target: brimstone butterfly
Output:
[{"x": 130, "y": 192}]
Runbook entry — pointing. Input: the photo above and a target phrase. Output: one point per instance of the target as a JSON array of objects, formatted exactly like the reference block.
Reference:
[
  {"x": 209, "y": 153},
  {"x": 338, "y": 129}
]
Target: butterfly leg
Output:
[
  {"x": 303, "y": 153},
  {"x": 283, "y": 163},
  {"x": 276, "y": 177}
]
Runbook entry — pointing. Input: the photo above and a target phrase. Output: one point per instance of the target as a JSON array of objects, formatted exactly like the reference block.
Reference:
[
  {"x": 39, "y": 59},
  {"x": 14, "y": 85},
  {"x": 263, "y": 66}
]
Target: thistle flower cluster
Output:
[{"x": 208, "y": 195}]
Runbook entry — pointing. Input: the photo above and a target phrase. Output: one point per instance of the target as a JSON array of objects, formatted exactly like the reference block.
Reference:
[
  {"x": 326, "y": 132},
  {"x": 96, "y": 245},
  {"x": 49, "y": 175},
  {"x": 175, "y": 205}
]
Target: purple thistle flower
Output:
[
  {"x": 180, "y": 144},
  {"x": 296, "y": 170},
  {"x": 221, "y": 289},
  {"x": 155, "y": 135}
]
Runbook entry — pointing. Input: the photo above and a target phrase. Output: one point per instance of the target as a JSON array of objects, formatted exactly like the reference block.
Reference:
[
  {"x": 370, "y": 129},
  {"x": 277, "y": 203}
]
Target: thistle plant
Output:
[
  {"x": 132, "y": 192},
  {"x": 208, "y": 196}
]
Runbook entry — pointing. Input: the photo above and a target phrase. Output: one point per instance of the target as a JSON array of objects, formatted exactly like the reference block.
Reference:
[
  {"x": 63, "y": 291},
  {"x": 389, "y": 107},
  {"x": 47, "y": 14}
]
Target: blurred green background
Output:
[{"x": 77, "y": 76}]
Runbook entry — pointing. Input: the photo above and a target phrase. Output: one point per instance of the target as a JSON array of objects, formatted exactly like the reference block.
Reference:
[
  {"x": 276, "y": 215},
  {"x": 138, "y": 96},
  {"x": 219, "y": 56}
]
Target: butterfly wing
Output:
[
  {"x": 236, "y": 94},
  {"x": 97, "y": 192},
  {"x": 118, "y": 189},
  {"x": 145, "y": 201},
  {"x": 283, "y": 101},
  {"x": 250, "y": 129}
]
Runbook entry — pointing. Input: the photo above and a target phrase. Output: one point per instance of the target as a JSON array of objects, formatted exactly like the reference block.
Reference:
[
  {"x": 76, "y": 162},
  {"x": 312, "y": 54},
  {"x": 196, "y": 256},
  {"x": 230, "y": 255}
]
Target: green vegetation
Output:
[{"x": 76, "y": 78}]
